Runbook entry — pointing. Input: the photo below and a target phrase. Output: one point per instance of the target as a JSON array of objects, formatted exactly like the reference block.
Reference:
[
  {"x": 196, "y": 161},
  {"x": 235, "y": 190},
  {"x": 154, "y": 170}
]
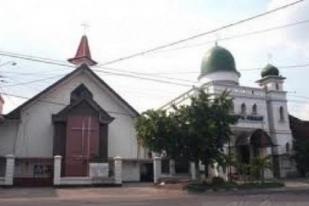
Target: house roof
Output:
[
  {"x": 15, "y": 114},
  {"x": 300, "y": 128}
]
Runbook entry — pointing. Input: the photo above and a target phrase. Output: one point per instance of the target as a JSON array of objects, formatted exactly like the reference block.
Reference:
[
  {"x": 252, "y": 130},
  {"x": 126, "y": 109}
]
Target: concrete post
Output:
[
  {"x": 57, "y": 169},
  {"x": 172, "y": 167},
  {"x": 156, "y": 169},
  {"x": 193, "y": 171},
  {"x": 9, "y": 170},
  {"x": 118, "y": 170}
]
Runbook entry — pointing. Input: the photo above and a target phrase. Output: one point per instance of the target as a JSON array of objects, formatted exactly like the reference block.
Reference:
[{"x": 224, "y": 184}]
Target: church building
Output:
[
  {"x": 80, "y": 118},
  {"x": 263, "y": 126}
]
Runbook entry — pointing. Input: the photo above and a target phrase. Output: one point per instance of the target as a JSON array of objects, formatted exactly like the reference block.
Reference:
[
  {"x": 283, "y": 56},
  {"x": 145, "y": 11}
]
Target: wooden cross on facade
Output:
[{"x": 86, "y": 130}]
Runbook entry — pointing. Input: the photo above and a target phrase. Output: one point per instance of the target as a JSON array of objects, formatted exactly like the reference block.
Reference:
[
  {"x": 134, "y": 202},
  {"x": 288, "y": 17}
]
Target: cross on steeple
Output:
[{"x": 85, "y": 27}]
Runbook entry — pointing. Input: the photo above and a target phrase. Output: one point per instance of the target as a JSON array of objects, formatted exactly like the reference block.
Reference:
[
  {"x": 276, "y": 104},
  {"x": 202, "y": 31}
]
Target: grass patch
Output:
[
  {"x": 218, "y": 185},
  {"x": 259, "y": 185}
]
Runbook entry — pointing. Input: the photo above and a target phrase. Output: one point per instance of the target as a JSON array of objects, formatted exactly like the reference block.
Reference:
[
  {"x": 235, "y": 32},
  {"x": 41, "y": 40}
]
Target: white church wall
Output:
[
  {"x": 35, "y": 137},
  {"x": 8, "y": 131}
]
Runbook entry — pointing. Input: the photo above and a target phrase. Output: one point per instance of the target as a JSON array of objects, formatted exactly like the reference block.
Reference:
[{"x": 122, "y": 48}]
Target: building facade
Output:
[
  {"x": 263, "y": 127},
  {"x": 79, "y": 118}
]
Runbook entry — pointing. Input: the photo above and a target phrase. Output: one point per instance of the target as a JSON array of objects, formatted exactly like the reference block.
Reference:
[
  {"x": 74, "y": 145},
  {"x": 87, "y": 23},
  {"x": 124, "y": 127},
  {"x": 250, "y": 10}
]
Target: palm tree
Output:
[{"x": 258, "y": 166}]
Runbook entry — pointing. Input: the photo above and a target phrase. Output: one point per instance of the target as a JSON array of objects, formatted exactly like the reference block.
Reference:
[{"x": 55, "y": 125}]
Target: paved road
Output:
[{"x": 144, "y": 195}]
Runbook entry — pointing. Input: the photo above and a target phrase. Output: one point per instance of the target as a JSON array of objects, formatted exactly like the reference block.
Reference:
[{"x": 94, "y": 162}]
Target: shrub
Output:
[{"x": 217, "y": 181}]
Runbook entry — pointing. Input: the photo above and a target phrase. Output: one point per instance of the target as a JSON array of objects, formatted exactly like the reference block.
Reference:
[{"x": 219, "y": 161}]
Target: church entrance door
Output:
[{"x": 82, "y": 144}]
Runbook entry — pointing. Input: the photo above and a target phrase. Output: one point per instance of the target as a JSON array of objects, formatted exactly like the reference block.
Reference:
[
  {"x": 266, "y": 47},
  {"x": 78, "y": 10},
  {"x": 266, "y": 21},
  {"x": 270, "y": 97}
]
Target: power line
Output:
[
  {"x": 33, "y": 81},
  {"x": 241, "y": 35},
  {"x": 104, "y": 71},
  {"x": 201, "y": 34},
  {"x": 63, "y": 63},
  {"x": 134, "y": 74},
  {"x": 55, "y": 103},
  {"x": 145, "y": 74},
  {"x": 242, "y": 70}
]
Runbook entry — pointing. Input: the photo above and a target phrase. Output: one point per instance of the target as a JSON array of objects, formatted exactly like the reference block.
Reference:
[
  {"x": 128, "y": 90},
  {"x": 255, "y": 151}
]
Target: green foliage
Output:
[
  {"x": 258, "y": 166},
  {"x": 194, "y": 132},
  {"x": 156, "y": 130},
  {"x": 202, "y": 187},
  {"x": 217, "y": 181},
  {"x": 301, "y": 155},
  {"x": 259, "y": 185}
]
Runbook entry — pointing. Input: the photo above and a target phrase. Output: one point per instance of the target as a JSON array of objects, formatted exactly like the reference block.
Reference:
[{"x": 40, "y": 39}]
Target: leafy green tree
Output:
[
  {"x": 197, "y": 131},
  {"x": 156, "y": 131}
]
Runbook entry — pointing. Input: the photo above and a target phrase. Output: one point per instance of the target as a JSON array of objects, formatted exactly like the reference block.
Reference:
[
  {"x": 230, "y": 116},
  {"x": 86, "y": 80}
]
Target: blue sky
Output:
[{"x": 117, "y": 28}]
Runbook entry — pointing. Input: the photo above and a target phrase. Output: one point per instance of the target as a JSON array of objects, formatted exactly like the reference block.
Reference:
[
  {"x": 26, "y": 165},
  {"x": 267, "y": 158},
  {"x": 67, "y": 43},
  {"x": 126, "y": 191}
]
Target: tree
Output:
[
  {"x": 156, "y": 130},
  {"x": 301, "y": 155},
  {"x": 258, "y": 166},
  {"x": 196, "y": 132}
]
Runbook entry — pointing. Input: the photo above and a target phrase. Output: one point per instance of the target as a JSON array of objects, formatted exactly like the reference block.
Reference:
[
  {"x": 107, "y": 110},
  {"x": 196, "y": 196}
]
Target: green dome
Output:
[
  {"x": 270, "y": 70},
  {"x": 218, "y": 59}
]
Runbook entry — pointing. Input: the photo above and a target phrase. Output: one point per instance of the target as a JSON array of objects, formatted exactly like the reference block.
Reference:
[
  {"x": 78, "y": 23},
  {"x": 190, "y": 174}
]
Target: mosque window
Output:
[
  {"x": 277, "y": 86},
  {"x": 254, "y": 109},
  {"x": 243, "y": 108},
  {"x": 281, "y": 113}
]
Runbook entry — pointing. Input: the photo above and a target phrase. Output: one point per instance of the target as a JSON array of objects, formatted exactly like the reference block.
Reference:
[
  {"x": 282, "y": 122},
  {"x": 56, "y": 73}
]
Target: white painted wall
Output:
[
  {"x": 231, "y": 77},
  {"x": 131, "y": 171},
  {"x": 8, "y": 133},
  {"x": 34, "y": 136}
]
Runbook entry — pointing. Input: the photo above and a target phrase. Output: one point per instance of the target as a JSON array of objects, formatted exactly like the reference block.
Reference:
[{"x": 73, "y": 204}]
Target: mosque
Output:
[{"x": 263, "y": 127}]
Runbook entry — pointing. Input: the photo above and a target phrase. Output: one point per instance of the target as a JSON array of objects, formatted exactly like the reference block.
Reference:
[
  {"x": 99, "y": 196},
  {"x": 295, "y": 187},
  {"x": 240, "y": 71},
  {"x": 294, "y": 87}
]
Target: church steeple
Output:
[{"x": 83, "y": 55}]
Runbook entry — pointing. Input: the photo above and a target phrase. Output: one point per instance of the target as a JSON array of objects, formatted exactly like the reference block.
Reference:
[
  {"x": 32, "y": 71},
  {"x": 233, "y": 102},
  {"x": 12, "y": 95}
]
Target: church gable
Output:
[
  {"x": 80, "y": 91},
  {"x": 82, "y": 103}
]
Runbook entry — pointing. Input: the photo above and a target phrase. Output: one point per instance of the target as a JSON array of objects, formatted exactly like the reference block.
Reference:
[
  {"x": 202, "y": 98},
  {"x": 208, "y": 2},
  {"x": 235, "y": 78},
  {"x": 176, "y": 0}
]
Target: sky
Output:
[{"x": 52, "y": 29}]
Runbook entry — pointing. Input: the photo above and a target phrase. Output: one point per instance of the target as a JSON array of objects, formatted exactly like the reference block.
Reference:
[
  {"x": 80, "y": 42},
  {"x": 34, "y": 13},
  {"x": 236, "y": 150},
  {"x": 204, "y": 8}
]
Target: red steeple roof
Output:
[{"x": 83, "y": 55}]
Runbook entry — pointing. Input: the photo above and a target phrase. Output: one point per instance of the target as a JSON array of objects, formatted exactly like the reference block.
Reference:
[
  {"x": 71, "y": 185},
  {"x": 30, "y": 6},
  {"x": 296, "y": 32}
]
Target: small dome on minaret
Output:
[
  {"x": 270, "y": 70},
  {"x": 83, "y": 55}
]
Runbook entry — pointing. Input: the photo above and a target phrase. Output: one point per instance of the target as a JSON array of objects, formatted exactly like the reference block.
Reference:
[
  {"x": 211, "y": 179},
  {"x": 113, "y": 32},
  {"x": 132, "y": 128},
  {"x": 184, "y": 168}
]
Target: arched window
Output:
[
  {"x": 281, "y": 113},
  {"x": 277, "y": 86},
  {"x": 287, "y": 147},
  {"x": 243, "y": 108},
  {"x": 254, "y": 109}
]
